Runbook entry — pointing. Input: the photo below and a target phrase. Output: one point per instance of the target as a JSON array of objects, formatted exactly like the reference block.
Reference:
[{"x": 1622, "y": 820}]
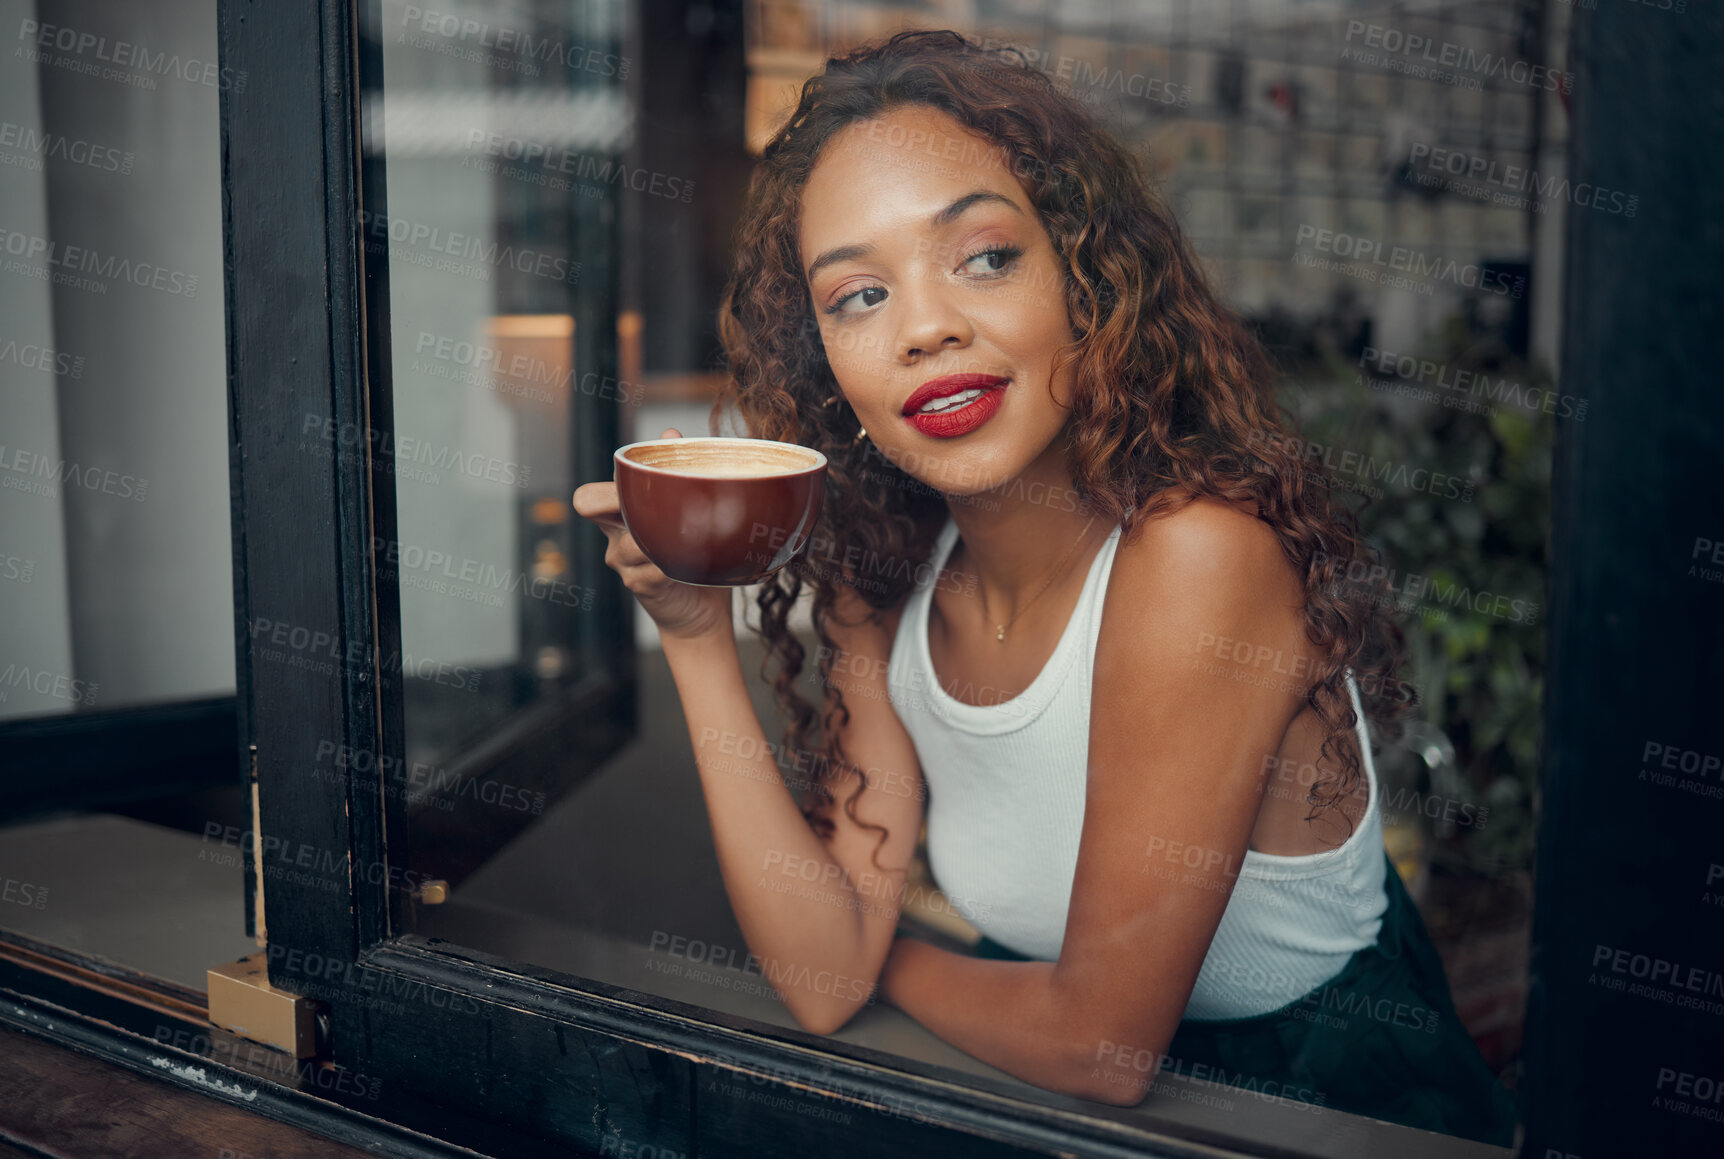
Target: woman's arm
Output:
[
  {"x": 818, "y": 914},
  {"x": 1177, "y": 751}
]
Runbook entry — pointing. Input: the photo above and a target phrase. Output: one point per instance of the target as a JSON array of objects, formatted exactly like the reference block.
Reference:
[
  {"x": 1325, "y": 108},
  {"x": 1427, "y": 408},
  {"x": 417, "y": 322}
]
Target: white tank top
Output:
[{"x": 1005, "y": 813}]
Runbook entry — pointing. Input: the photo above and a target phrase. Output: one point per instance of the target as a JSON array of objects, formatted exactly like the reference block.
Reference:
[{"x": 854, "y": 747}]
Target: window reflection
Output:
[
  {"x": 117, "y": 630},
  {"x": 115, "y": 577},
  {"x": 495, "y": 127}
]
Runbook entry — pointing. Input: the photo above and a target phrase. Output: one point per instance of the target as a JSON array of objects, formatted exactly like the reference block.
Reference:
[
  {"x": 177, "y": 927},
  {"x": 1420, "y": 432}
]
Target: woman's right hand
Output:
[{"x": 679, "y": 609}]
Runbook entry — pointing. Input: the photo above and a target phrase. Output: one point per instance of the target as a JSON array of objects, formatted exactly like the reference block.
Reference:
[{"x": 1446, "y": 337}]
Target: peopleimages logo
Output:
[
  {"x": 517, "y": 373},
  {"x": 33, "y": 356},
  {"x": 1414, "y": 588},
  {"x": 23, "y": 893},
  {"x": 1401, "y": 49},
  {"x": 401, "y": 451},
  {"x": 254, "y": 1057},
  {"x": 320, "y": 651},
  {"x": 1117, "y": 1062},
  {"x": 1403, "y": 260},
  {"x": 45, "y": 683},
  {"x": 473, "y": 579},
  {"x": 495, "y": 44},
  {"x": 22, "y": 470},
  {"x": 1467, "y": 386},
  {"x": 346, "y": 980},
  {"x": 1340, "y": 461},
  {"x": 704, "y": 961},
  {"x": 450, "y": 251},
  {"x": 1661, "y": 763},
  {"x": 72, "y": 259},
  {"x": 36, "y": 144},
  {"x": 1086, "y": 80},
  {"x": 1674, "y": 983},
  {"x": 122, "y": 53},
  {"x": 576, "y": 166},
  {"x": 1691, "y": 1094},
  {"x": 1486, "y": 179},
  {"x": 416, "y": 781}
]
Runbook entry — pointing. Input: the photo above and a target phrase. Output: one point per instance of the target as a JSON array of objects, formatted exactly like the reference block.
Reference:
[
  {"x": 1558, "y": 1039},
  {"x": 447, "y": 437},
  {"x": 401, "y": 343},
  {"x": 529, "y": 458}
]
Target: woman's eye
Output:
[
  {"x": 992, "y": 261},
  {"x": 867, "y": 296}
]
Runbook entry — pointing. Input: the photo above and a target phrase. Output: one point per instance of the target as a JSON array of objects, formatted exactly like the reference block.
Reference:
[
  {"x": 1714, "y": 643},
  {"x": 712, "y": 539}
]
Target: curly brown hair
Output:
[{"x": 1172, "y": 395}]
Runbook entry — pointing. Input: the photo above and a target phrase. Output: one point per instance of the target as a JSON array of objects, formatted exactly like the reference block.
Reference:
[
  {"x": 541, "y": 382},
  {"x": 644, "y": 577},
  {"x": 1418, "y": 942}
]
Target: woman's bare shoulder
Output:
[
  {"x": 1205, "y": 541},
  {"x": 1192, "y": 579}
]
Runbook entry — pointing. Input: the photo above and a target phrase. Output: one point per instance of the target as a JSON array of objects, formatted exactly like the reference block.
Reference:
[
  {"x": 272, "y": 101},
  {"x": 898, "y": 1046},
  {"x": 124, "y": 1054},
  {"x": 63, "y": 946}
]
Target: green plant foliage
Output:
[{"x": 1469, "y": 572}]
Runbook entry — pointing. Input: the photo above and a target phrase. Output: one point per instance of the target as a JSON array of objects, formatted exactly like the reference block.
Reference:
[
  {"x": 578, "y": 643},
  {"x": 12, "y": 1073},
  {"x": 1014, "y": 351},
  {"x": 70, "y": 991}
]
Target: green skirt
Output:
[{"x": 1379, "y": 1039}]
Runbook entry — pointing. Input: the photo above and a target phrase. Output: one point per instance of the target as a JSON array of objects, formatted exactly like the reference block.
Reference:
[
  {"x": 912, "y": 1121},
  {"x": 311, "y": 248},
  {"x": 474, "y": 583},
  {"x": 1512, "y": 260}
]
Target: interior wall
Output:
[
  {"x": 136, "y": 230},
  {"x": 35, "y": 626}
]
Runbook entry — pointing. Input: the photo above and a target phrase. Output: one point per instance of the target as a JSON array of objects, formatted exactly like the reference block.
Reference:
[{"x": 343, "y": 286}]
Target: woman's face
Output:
[{"x": 939, "y": 298}]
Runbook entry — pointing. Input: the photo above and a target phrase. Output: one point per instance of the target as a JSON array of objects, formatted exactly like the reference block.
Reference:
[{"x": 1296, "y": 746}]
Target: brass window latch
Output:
[{"x": 243, "y": 1001}]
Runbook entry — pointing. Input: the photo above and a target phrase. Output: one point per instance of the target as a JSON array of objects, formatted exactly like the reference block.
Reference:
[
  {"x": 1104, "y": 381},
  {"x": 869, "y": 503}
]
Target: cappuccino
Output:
[{"x": 713, "y": 459}]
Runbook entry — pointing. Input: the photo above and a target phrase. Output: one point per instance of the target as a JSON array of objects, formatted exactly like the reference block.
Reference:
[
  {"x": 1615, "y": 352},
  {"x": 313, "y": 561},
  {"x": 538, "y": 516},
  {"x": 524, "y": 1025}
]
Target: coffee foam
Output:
[{"x": 723, "y": 459}]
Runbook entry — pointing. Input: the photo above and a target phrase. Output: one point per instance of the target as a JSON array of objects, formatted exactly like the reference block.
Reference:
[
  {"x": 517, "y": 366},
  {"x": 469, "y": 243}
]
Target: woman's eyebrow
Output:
[
  {"x": 953, "y": 211},
  {"x": 946, "y": 216},
  {"x": 843, "y": 253}
]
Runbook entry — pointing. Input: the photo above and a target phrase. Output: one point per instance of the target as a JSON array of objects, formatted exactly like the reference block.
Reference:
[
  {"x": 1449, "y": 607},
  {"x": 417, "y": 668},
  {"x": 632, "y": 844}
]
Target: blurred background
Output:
[{"x": 1379, "y": 189}]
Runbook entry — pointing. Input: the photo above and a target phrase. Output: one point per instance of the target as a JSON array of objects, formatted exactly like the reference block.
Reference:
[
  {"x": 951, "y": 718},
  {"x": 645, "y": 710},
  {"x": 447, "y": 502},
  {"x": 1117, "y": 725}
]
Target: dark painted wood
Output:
[
  {"x": 377, "y": 920},
  {"x": 89, "y": 760},
  {"x": 239, "y": 1074},
  {"x": 1636, "y": 639},
  {"x": 67, "y": 1104},
  {"x": 306, "y": 670},
  {"x": 609, "y": 1040},
  {"x": 244, "y": 751},
  {"x": 687, "y": 91}
]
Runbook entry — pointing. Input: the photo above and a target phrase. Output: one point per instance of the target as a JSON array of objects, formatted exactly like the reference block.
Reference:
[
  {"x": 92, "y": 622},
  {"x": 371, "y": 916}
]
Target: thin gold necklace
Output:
[{"x": 1000, "y": 629}]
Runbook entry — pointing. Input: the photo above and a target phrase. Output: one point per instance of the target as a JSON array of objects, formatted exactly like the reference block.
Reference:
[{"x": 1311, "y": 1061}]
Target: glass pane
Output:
[
  {"x": 116, "y": 575},
  {"x": 115, "y": 561},
  {"x": 496, "y": 130}
]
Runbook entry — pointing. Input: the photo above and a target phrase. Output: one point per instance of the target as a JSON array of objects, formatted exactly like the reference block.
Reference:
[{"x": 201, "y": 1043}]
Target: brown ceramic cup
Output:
[{"x": 719, "y": 512}]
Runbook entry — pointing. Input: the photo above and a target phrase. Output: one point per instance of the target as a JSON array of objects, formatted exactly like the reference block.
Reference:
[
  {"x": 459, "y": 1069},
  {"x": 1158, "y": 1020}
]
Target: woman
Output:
[{"x": 1078, "y": 594}]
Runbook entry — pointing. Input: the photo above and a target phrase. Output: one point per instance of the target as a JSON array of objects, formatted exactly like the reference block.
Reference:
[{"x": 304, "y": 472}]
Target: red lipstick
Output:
[{"x": 959, "y": 419}]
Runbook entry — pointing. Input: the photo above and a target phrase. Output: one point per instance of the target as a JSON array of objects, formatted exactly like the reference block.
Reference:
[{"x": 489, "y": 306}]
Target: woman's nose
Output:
[{"x": 931, "y": 319}]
